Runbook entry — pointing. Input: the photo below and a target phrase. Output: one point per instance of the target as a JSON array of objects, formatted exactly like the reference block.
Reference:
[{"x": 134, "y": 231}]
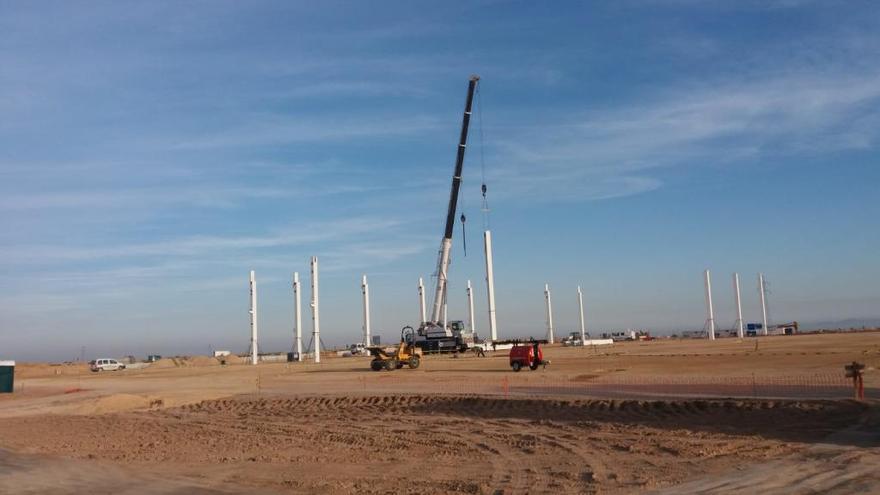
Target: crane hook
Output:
[{"x": 463, "y": 234}]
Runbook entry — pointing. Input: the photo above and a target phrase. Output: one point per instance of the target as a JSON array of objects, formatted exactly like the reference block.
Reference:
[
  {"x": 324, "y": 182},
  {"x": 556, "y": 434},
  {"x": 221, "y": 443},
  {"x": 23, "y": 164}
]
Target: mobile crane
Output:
[{"x": 433, "y": 335}]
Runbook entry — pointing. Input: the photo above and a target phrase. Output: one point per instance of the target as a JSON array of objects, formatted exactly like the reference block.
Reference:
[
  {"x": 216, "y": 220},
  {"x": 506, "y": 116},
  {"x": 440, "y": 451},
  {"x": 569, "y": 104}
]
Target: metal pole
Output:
[
  {"x": 581, "y": 307},
  {"x": 739, "y": 309},
  {"x": 253, "y": 312},
  {"x": 710, "y": 321},
  {"x": 549, "y": 313},
  {"x": 298, "y": 308},
  {"x": 762, "y": 291},
  {"x": 366, "y": 289},
  {"x": 421, "y": 301},
  {"x": 316, "y": 316},
  {"x": 490, "y": 284},
  {"x": 470, "y": 297}
]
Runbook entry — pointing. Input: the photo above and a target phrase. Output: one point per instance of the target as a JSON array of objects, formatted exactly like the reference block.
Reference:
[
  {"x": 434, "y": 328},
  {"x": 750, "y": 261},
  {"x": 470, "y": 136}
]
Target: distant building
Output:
[{"x": 785, "y": 329}]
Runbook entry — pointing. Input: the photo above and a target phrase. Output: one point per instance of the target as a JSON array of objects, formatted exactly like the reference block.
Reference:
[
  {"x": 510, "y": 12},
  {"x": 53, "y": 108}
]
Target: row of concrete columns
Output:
[
  {"x": 548, "y": 305},
  {"x": 710, "y": 310}
]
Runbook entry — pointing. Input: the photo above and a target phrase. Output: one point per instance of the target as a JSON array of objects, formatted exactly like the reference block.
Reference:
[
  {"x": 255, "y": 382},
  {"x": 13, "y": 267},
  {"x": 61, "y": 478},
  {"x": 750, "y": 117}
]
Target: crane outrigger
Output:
[{"x": 435, "y": 335}]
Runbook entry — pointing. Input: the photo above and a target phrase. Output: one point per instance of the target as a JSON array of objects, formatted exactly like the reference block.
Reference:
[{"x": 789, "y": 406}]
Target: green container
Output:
[{"x": 7, "y": 376}]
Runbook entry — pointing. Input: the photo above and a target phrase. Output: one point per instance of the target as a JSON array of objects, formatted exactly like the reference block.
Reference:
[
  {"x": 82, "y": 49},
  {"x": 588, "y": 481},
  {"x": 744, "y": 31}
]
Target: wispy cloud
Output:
[
  {"x": 273, "y": 130},
  {"x": 608, "y": 153},
  {"x": 203, "y": 245},
  {"x": 217, "y": 196}
]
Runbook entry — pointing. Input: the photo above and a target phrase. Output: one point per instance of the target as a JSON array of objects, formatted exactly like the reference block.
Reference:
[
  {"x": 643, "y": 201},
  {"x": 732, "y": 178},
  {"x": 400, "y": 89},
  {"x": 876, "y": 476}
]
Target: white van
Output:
[{"x": 106, "y": 365}]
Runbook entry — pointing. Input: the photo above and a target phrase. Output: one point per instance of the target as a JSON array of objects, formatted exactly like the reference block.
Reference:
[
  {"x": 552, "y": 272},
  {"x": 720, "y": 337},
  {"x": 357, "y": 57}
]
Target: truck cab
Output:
[
  {"x": 434, "y": 338},
  {"x": 573, "y": 339}
]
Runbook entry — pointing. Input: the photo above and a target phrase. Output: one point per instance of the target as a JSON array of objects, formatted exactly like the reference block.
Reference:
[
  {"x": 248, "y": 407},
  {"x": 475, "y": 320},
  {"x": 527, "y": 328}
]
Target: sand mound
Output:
[
  {"x": 187, "y": 362},
  {"x": 164, "y": 363},
  {"x": 203, "y": 361},
  {"x": 233, "y": 359}
]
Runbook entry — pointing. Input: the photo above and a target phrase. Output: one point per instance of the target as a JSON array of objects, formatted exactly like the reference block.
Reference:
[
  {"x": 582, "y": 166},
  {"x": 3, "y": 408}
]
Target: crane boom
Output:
[{"x": 446, "y": 243}]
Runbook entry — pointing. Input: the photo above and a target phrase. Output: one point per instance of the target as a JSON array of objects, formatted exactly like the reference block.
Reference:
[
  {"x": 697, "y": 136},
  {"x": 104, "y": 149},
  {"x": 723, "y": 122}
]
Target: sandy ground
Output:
[{"x": 463, "y": 424}]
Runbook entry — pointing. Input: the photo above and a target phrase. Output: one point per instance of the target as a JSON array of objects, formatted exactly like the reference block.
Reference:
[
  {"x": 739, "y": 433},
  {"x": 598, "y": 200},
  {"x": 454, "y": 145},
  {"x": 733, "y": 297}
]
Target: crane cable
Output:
[{"x": 483, "y": 188}]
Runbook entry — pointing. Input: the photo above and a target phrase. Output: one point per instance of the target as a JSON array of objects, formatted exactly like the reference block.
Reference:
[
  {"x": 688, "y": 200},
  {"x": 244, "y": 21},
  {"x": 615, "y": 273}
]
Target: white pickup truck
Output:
[
  {"x": 358, "y": 349},
  {"x": 106, "y": 365}
]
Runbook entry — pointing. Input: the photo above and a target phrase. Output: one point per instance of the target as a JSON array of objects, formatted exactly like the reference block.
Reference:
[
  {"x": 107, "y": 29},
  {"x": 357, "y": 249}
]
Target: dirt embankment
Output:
[
  {"x": 471, "y": 444},
  {"x": 38, "y": 370}
]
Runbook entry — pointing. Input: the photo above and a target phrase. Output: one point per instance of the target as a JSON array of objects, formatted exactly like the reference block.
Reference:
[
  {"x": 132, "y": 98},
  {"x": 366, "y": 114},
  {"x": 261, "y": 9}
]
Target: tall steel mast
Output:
[{"x": 446, "y": 244}]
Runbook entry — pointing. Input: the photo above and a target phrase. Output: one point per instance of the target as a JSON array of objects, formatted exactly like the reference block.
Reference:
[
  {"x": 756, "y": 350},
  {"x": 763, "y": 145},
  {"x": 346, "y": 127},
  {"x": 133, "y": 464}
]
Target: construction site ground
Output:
[{"x": 758, "y": 415}]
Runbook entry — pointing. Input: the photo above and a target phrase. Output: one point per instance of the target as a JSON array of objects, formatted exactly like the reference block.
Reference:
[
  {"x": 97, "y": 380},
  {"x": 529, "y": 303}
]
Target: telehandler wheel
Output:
[
  {"x": 376, "y": 365},
  {"x": 391, "y": 364},
  {"x": 516, "y": 365},
  {"x": 414, "y": 362}
]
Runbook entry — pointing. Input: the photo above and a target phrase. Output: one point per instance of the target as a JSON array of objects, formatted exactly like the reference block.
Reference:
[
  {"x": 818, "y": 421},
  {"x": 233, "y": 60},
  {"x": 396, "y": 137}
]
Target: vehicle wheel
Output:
[
  {"x": 414, "y": 362},
  {"x": 376, "y": 365},
  {"x": 516, "y": 365},
  {"x": 391, "y": 364},
  {"x": 534, "y": 365}
]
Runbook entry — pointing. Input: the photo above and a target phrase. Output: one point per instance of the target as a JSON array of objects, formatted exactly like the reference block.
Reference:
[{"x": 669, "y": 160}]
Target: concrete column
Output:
[
  {"x": 550, "y": 337},
  {"x": 316, "y": 313},
  {"x": 298, "y": 316},
  {"x": 490, "y": 284},
  {"x": 710, "y": 320},
  {"x": 253, "y": 312}
]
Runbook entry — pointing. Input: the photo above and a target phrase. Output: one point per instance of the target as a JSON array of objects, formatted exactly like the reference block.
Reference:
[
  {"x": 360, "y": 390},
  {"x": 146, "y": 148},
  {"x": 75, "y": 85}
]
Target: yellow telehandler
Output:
[{"x": 406, "y": 353}]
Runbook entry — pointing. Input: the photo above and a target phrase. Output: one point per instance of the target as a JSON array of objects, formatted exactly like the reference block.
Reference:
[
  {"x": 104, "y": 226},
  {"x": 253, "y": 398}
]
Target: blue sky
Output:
[{"x": 152, "y": 153}]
